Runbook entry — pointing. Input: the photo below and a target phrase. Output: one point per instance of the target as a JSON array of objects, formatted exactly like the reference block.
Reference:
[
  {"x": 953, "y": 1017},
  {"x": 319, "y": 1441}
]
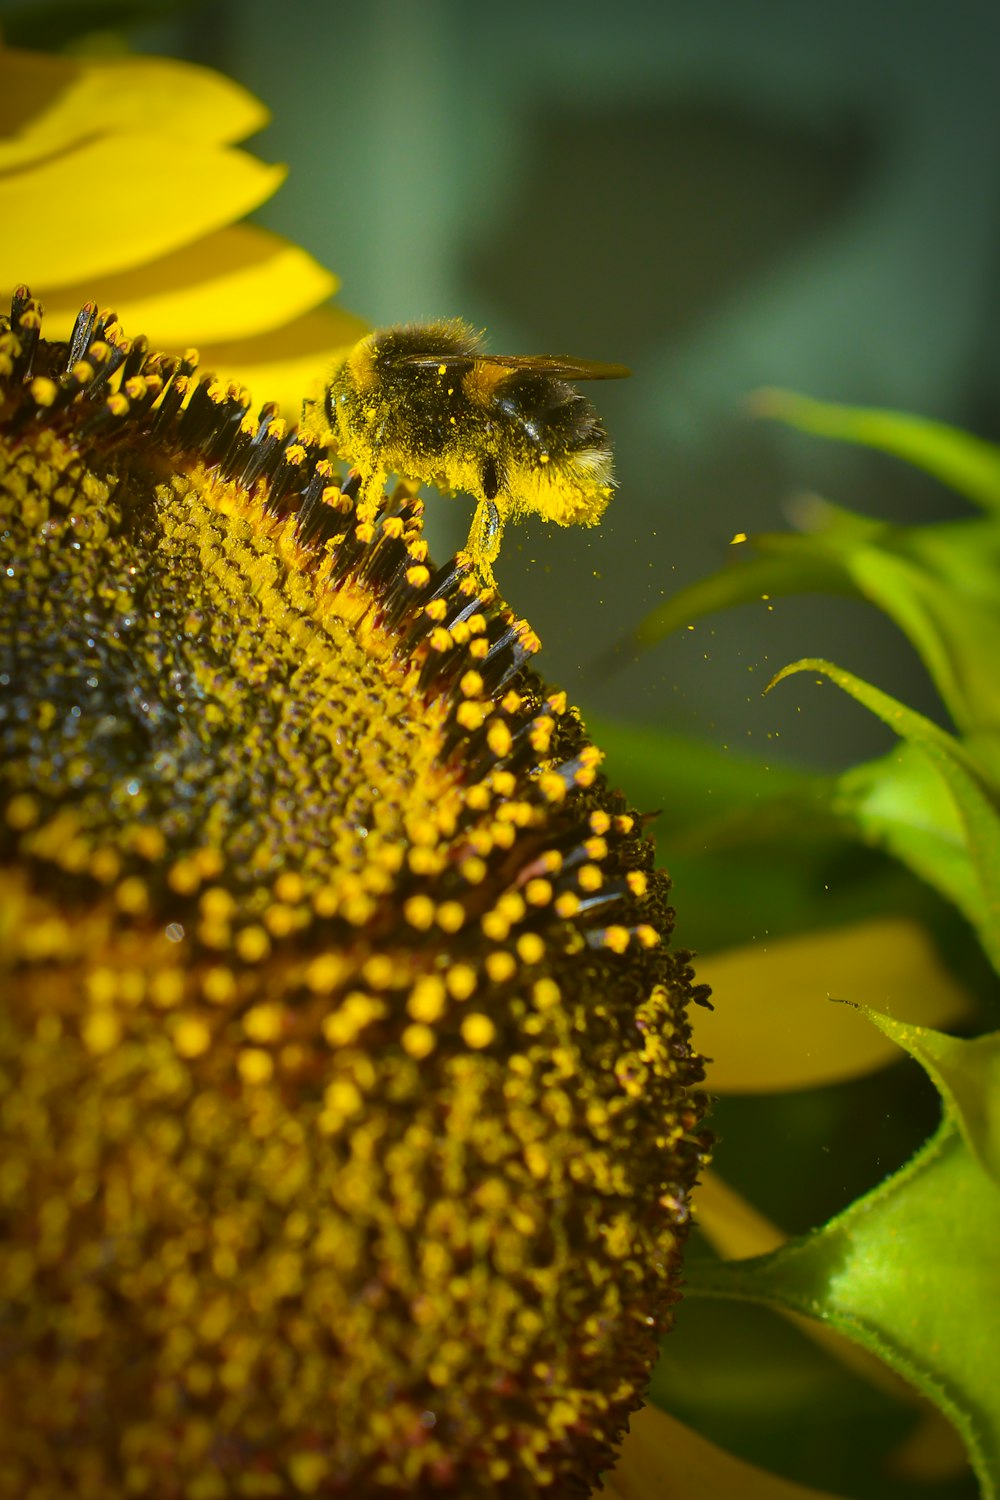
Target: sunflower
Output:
[{"x": 353, "y": 1117}]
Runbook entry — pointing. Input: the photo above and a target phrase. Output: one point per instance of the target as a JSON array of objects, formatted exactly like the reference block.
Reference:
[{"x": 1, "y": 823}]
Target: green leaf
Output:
[
  {"x": 975, "y": 865},
  {"x": 901, "y": 803},
  {"x": 964, "y": 463},
  {"x": 911, "y": 1271},
  {"x": 787, "y": 569},
  {"x": 940, "y": 584},
  {"x": 966, "y": 1074}
]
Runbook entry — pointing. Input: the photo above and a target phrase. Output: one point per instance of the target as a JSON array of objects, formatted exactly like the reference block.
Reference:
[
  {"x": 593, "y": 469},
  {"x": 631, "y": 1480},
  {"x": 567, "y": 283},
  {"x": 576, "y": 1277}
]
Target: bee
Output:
[{"x": 426, "y": 402}]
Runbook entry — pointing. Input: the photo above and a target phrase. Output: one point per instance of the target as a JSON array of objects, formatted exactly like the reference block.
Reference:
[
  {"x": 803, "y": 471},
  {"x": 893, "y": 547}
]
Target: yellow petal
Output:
[
  {"x": 664, "y": 1460},
  {"x": 119, "y": 201},
  {"x": 236, "y": 283},
  {"x": 736, "y": 1229},
  {"x": 774, "y": 1027},
  {"x": 932, "y": 1453},
  {"x": 288, "y": 365},
  {"x": 49, "y": 103}
]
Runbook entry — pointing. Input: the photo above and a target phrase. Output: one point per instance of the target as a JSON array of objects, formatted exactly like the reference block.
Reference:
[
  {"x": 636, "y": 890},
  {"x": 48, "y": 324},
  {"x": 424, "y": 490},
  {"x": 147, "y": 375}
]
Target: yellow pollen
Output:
[
  {"x": 379, "y": 971},
  {"x": 264, "y": 1023},
  {"x": 184, "y": 877},
  {"x": 461, "y": 981},
  {"x": 132, "y": 896},
  {"x": 101, "y": 1031},
  {"x": 418, "y": 1040},
  {"x": 498, "y": 737},
  {"x": 325, "y": 973},
  {"x": 192, "y": 1037},
  {"x": 217, "y": 904},
  {"x": 501, "y": 966},
  {"x": 289, "y": 887},
  {"x": 451, "y": 916},
  {"x": 512, "y": 906},
  {"x": 419, "y": 912},
  {"x": 253, "y": 944},
  {"x": 477, "y": 1030},
  {"x": 495, "y": 926},
  {"x": 531, "y": 948},
  {"x": 255, "y": 1065},
  {"x": 166, "y": 988},
  {"x": 472, "y": 716},
  {"x": 473, "y": 869},
  {"x": 22, "y": 812},
  {"x": 218, "y": 985},
  {"x": 545, "y": 993},
  {"x": 343, "y": 1096},
  {"x": 307, "y": 1470},
  {"x": 43, "y": 390},
  {"x": 427, "y": 1000}
]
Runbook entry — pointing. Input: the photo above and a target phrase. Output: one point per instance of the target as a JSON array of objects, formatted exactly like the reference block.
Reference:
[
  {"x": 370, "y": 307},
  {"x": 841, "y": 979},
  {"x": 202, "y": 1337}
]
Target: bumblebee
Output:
[{"x": 425, "y": 402}]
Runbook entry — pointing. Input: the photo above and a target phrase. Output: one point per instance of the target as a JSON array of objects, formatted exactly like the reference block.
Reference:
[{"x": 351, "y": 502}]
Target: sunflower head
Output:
[{"x": 350, "y": 1113}]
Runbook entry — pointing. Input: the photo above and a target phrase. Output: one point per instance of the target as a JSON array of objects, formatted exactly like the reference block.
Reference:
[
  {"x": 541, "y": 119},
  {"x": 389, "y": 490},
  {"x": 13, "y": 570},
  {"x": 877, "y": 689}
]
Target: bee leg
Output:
[
  {"x": 370, "y": 494},
  {"x": 484, "y": 538}
]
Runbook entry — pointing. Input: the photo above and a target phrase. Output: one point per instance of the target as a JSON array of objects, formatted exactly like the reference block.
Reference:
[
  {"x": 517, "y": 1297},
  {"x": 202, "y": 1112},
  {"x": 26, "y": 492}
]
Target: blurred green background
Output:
[{"x": 720, "y": 195}]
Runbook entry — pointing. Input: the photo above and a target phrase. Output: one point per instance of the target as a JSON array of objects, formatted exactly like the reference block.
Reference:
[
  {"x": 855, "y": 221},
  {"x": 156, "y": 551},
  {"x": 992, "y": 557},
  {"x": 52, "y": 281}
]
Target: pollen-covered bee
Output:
[{"x": 426, "y": 403}]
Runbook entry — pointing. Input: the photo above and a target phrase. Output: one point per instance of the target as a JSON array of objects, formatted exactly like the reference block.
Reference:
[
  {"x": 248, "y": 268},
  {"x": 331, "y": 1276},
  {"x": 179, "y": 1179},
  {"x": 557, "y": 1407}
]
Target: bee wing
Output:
[
  {"x": 564, "y": 365},
  {"x": 560, "y": 365}
]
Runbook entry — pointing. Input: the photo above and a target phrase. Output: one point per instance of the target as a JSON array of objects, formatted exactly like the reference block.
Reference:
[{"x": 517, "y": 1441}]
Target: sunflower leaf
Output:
[
  {"x": 910, "y": 1271},
  {"x": 796, "y": 569},
  {"x": 901, "y": 802},
  {"x": 940, "y": 584},
  {"x": 918, "y": 828},
  {"x": 965, "y": 463},
  {"x": 966, "y": 1073}
]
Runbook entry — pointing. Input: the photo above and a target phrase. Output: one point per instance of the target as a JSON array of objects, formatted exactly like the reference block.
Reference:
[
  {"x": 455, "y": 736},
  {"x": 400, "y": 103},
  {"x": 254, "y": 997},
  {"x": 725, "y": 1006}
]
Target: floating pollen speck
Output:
[{"x": 350, "y": 1112}]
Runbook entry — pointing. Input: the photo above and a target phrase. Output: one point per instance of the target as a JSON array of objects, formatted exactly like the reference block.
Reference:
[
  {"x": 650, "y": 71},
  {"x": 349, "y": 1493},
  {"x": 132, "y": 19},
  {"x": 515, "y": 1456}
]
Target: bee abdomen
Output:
[
  {"x": 551, "y": 416},
  {"x": 562, "y": 468}
]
